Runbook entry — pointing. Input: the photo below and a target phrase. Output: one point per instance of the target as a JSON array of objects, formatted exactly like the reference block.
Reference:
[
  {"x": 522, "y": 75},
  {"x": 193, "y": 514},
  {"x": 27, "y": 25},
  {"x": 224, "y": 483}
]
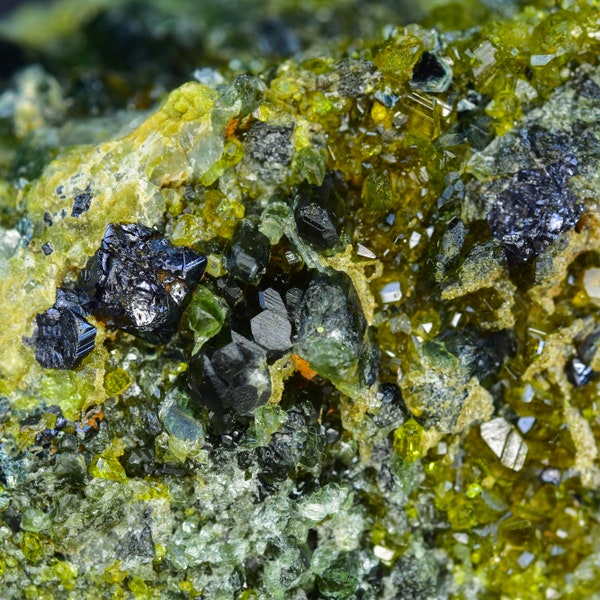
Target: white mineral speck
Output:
[{"x": 591, "y": 282}]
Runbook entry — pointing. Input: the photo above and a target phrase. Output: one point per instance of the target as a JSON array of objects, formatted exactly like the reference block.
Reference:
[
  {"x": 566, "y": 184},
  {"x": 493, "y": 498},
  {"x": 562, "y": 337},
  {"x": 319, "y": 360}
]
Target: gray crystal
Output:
[
  {"x": 505, "y": 442},
  {"x": 272, "y": 331}
]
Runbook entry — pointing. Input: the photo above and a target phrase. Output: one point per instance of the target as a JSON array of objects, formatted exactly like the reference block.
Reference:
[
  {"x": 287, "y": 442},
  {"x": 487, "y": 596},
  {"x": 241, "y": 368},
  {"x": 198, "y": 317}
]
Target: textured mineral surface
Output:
[{"x": 300, "y": 299}]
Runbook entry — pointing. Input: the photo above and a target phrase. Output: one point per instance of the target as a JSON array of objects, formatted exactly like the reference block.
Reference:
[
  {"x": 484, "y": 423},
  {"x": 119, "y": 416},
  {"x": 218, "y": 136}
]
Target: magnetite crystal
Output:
[
  {"x": 139, "y": 282},
  {"x": 63, "y": 338},
  {"x": 319, "y": 212},
  {"x": 300, "y": 300},
  {"x": 536, "y": 207}
]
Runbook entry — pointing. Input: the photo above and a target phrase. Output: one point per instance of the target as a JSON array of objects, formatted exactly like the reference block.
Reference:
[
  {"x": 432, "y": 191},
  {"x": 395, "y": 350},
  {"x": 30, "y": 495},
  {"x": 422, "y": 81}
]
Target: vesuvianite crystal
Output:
[{"x": 300, "y": 300}]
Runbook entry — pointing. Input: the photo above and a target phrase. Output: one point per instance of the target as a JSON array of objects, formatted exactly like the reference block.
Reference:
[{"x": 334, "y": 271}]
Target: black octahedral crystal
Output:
[
  {"x": 271, "y": 328},
  {"x": 248, "y": 254},
  {"x": 319, "y": 212},
  {"x": 579, "y": 371},
  {"x": 139, "y": 282},
  {"x": 233, "y": 378},
  {"x": 535, "y": 209},
  {"x": 62, "y": 338}
]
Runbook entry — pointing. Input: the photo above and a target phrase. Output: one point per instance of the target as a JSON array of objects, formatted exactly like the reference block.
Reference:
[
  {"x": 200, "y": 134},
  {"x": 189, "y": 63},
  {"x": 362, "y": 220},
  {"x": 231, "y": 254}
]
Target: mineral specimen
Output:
[
  {"x": 331, "y": 331},
  {"x": 535, "y": 209},
  {"x": 272, "y": 331},
  {"x": 431, "y": 74},
  {"x": 248, "y": 254},
  {"x": 505, "y": 442},
  {"x": 81, "y": 203},
  {"x": 139, "y": 282},
  {"x": 63, "y": 338},
  {"x": 356, "y": 246},
  {"x": 320, "y": 211},
  {"x": 235, "y": 377}
]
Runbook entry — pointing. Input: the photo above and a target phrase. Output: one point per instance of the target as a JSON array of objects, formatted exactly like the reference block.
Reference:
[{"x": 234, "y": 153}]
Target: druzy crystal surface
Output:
[
  {"x": 535, "y": 209},
  {"x": 300, "y": 300}
]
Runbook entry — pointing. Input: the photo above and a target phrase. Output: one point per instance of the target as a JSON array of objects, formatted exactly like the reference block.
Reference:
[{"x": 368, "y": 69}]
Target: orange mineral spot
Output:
[
  {"x": 231, "y": 127},
  {"x": 303, "y": 367}
]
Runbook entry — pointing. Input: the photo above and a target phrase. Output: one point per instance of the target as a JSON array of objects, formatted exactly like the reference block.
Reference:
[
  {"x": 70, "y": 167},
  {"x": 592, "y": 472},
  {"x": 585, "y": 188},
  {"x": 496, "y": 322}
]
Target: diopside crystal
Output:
[{"x": 332, "y": 332}]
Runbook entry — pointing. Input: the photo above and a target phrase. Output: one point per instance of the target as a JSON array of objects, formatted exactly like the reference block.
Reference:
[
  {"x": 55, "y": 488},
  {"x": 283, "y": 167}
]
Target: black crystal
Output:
[
  {"x": 139, "y": 282},
  {"x": 272, "y": 331},
  {"x": 535, "y": 209},
  {"x": 392, "y": 410},
  {"x": 579, "y": 371},
  {"x": 62, "y": 338},
  {"x": 233, "y": 378},
  {"x": 81, "y": 203},
  {"x": 270, "y": 299},
  {"x": 483, "y": 354},
  {"x": 248, "y": 254},
  {"x": 73, "y": 299},
  {"x": 431, "y": 74},
  {"x": 319, "y": 212}
]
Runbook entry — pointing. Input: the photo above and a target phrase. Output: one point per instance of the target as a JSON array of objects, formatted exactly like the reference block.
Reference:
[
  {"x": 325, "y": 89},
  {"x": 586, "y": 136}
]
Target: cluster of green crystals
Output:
[{"x": 470, "y": 468}]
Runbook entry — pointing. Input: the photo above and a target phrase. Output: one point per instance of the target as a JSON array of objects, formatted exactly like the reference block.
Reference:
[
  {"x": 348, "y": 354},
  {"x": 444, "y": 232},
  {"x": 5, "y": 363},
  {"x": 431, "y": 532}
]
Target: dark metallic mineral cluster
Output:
[
  {"x": 536, "y": 207},
  {"x": 137, "y": 281}
]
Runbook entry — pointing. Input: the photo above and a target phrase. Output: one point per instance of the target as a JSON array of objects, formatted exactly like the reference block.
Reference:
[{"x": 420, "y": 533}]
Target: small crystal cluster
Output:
[
  {"x": 535, "y": 209},
  {"x": 137, "y": 281},
  {"x": 63, "y": 338}
]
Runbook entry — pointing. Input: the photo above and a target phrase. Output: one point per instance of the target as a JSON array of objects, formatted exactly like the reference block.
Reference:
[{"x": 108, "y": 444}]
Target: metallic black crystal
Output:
[
  {"x": 233, "y": 378},
  {"x": 62, "y": 338},
  {"x": 248, "y": 254},
  {"x": 319, "y": 212},
  {"x": 81, "y": 203},
  {"x": 535, "y": 209},
  {"x": 138, "y": 281}
]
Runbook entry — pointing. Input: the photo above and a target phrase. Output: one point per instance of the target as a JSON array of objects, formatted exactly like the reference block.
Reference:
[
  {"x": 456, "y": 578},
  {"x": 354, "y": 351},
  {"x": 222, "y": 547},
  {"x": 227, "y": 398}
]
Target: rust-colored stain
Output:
[
  {"x": 303, "y": 367},
  {"x": 231, "y": 127}
]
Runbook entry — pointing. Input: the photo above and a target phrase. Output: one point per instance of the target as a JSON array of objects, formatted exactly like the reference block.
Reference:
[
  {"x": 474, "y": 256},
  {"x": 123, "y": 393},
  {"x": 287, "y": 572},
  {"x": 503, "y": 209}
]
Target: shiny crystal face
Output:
[
  {"x": 139, "y": 282},
  {"x": 62, "y": 338},
  {"x": 300, "y": 300}
]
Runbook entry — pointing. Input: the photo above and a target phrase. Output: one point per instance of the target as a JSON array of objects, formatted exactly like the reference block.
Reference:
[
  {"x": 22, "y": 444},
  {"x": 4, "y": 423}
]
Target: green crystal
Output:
[{"x": 206, "y": 314}]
